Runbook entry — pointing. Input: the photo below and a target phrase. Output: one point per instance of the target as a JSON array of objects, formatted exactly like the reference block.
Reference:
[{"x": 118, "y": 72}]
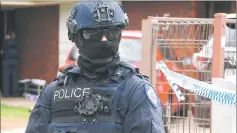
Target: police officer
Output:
[
  {"x": 101, "y": 94},
  {"x": 10, "y": 65}
]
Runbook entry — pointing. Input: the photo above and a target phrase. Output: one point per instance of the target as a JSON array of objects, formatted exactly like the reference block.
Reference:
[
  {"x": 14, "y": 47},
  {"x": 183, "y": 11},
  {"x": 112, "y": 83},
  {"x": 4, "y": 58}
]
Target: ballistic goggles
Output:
[{"x": 98, "y": 34}]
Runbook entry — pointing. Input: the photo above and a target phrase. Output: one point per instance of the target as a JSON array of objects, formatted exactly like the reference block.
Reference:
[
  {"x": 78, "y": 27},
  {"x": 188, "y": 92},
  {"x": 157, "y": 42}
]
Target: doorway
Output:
[{"x": 7, "y": 24}]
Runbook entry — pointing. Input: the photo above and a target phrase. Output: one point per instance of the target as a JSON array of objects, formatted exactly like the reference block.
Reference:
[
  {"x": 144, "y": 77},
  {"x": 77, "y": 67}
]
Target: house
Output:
[
  {"x": 42, "y": 35},
  {"x": 138, "y": 10}
]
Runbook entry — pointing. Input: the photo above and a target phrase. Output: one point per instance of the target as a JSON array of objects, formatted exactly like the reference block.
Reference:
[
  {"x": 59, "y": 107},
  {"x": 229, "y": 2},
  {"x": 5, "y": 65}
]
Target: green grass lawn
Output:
[{"x": 9, "y": 112}]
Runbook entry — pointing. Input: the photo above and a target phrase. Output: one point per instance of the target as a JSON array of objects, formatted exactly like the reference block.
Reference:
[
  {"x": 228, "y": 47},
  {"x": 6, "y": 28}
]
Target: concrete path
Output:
[
  {"x": 18, "y": 102},
  {"x": 20, "y": 130}
]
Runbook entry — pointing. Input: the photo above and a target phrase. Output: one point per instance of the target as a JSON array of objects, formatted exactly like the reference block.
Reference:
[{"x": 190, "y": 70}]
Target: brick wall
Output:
[
  {"x": 201, "y": 9},
  {"x": 37, "y": 34},
  {"x": 139, "y": 10}
]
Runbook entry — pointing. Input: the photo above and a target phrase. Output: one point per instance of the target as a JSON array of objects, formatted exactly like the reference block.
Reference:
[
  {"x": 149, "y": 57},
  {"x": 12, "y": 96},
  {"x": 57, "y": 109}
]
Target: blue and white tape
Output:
[
  {"x": 175, "y": 88},
  {"x": 200, "y": 88}
]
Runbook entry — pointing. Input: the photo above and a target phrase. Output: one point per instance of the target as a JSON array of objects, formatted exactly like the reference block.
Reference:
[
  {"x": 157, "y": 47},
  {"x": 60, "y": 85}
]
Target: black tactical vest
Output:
[{"x": 81, "y": 106}]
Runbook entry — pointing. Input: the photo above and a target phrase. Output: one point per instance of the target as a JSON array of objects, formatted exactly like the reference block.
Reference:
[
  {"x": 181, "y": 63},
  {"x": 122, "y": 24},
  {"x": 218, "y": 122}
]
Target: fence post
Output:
[
  {"x": 218, "y": 45},
  {"x": 148, "y": 58},
  {"x": 218, "y": 50}
]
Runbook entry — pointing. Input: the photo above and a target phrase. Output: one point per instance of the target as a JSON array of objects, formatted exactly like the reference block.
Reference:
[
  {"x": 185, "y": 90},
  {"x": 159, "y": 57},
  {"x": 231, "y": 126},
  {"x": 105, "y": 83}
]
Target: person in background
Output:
[{"x": 10, "y": 65}]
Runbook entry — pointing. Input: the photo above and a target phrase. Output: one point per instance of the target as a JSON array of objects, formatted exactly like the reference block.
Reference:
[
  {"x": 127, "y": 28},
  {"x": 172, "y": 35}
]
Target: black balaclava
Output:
[{"x": 98, "y": 58}]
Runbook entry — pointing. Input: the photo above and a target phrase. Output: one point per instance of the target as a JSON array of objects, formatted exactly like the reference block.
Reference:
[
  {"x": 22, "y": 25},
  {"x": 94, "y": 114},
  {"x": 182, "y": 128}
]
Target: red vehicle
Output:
[{"x": 130, "y": 52}]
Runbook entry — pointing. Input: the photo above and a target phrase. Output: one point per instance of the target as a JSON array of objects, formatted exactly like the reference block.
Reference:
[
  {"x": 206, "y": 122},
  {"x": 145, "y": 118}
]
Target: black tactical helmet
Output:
[{"x": 95, "y": 14}]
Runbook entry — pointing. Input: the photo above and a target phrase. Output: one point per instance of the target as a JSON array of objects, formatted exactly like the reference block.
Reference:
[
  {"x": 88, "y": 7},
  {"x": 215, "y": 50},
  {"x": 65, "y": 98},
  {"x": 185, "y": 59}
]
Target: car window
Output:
[
  {"x": 74, "y": 54},
  {"x": 130, "y": 50}
]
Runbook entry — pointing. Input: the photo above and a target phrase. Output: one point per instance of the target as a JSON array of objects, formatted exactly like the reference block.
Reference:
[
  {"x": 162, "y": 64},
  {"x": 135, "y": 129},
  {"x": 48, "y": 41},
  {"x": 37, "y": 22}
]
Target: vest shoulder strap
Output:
[
  {"x": 63, "y": 77},
  {"x": 123, "y": 71},
  {"x": 135, "y": 70}
]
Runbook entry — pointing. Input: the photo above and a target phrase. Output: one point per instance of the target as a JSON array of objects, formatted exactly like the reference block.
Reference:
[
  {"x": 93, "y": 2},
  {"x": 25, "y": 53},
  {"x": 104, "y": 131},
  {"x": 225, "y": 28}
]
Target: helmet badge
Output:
[{"x": 103, "y": 13}]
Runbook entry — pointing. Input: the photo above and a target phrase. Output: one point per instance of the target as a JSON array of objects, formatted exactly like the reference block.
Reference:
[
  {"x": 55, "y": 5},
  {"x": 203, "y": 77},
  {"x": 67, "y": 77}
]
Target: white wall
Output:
[
  {"x": 224, "y": 116},
  {"x": 64, "y": 44}
]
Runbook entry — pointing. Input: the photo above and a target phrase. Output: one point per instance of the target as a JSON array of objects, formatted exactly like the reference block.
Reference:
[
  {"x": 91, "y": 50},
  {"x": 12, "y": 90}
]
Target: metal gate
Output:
[
  {"x": 184, "y": 45},
  {"x": 178, "y": 41}
]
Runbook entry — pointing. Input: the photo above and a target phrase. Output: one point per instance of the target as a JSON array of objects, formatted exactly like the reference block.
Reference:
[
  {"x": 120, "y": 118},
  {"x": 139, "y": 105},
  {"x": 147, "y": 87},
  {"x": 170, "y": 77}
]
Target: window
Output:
[{"x": 130, "y": 50}]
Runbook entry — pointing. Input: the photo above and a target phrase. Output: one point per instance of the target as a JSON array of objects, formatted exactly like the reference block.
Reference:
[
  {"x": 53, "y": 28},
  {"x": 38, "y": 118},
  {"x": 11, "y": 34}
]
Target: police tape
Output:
[
  {"x": 200, "y": 88},
  {"x": 175, "y": 88}
]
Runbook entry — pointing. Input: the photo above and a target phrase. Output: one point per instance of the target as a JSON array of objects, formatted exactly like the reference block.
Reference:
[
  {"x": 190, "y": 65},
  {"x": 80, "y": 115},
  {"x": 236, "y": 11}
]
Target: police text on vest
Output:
[{"x": 71, "y": 93}]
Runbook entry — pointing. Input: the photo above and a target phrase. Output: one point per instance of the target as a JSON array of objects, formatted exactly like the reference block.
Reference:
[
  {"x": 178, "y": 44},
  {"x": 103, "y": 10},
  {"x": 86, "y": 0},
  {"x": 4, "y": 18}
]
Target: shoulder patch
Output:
[{"x": 151, "y": 94}]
